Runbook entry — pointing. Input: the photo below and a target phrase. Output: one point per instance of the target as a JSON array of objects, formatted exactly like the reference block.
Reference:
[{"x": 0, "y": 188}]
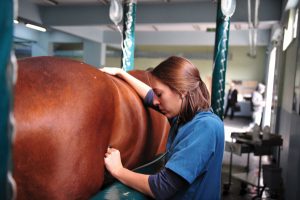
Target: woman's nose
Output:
[{"x": 155, "y": 101}]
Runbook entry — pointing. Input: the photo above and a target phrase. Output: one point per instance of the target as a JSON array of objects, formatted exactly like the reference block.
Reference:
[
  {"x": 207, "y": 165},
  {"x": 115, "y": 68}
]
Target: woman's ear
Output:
[{"x": 183, "y": 95}]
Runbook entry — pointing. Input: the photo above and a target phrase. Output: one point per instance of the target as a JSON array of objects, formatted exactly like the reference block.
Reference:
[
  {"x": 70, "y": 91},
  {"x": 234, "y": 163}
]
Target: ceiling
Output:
[{"x": 157, "y": 21}]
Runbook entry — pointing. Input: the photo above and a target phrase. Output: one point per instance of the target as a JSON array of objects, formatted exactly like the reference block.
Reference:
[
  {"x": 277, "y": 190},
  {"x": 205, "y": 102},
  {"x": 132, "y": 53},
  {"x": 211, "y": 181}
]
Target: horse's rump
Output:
[{"x": 67, "y": 113}]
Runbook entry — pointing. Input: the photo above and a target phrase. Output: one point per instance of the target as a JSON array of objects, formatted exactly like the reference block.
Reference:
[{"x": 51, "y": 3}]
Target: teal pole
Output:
[
  {"x": 220, "y": 61},
  {"x": 128, "y": 35},
  {"x": 6, "y": 32}
]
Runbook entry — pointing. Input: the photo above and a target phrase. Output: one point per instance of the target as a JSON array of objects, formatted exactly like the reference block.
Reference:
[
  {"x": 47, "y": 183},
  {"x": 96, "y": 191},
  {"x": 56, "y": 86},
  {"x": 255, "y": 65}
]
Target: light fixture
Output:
[
  {"x": 228, "y": 7},
  {"x": 16, "y": 21},
  {"x": 52, "y": 2},
  {"x": 38, "y": 28}
]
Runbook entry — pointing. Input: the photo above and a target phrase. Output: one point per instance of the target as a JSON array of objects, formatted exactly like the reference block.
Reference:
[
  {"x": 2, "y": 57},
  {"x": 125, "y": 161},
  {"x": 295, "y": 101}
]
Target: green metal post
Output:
[
  {"x": 128, "y": 35},
  {"x": 6, "y": 32},
  {"x": 220, "y": 61}
]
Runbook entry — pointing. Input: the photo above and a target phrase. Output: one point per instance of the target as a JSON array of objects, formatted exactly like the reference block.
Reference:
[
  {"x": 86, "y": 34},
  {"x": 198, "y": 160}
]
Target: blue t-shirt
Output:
[{"x": 196, "y": 155}]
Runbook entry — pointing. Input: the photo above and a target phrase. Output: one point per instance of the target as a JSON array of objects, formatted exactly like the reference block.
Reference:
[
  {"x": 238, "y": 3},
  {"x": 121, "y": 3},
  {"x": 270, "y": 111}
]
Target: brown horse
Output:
[{"x": 67, "y": 113}]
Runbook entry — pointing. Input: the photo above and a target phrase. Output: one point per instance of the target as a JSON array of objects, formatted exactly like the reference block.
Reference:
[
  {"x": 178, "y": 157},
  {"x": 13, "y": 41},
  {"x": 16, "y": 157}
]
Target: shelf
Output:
[
  {"x": 237, "y": 148},
  {"x": 246, "y": 138},
  {"x": 250, "y": 178}
]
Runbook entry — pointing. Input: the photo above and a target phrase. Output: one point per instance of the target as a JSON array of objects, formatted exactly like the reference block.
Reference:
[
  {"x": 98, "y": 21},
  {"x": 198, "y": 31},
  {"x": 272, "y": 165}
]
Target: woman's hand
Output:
[
  {"x": 135, "y": 180},
  {"x": 113, "y": 161},
  {"x": 112, "y": 70}
]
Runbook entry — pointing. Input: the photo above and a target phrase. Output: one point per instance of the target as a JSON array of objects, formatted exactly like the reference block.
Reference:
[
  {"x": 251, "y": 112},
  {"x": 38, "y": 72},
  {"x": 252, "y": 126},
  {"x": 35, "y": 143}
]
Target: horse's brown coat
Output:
[{"x": 67, "y": 113}]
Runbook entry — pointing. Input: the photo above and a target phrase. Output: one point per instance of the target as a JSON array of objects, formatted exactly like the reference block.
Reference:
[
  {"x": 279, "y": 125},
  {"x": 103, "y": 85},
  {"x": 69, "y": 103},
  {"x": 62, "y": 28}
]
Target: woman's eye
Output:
[{"x": 158, "y": 94}]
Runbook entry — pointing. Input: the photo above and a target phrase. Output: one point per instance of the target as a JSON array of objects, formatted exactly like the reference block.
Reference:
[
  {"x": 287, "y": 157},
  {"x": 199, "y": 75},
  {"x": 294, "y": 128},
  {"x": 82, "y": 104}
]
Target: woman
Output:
[
  {"x": 258, "y": 104},
  {"x": 196, "y": 140}
]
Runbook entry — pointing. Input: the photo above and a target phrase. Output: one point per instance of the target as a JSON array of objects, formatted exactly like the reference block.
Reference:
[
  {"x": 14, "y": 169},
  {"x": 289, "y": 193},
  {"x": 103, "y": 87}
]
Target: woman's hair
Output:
[{"x": 183, "y": 77}]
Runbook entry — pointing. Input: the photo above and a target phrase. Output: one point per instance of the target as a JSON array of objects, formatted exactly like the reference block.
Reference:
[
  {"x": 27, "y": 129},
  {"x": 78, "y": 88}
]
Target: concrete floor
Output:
[{"x": 240, "y": 124}]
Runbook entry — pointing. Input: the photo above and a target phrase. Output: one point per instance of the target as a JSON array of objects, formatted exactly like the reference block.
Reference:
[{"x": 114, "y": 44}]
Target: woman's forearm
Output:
[
  {"x": 140, "y": 87},
  {"x": 135, "y": 180}
]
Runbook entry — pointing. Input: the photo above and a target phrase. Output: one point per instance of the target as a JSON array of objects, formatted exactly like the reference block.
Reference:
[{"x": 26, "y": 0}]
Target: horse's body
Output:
[{"x": 67, "y": 113}]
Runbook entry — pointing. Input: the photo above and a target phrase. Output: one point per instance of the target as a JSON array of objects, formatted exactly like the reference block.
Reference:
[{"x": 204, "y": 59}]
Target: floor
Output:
[{"x": 240, "y": 124}]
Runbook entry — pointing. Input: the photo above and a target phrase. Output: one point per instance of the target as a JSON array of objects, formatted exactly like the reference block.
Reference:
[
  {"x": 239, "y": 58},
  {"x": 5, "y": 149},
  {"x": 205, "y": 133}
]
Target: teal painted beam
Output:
[
  {"x": 220, "y": 61},
  {"x": 6, "y": 32},
  {"x": 128, "y": 44}
]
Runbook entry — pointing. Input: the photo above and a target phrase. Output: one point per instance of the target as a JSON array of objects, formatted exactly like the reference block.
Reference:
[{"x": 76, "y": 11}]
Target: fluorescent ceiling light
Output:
[
  {"x": 291, "y": 4},
  {"x": 295, "y": 25},
  {"x": 36, "y": 27},
  {"x": 16, "y": 21},
  {"x": 288, "y": 31},
  {"x": 52, "y": 2}
]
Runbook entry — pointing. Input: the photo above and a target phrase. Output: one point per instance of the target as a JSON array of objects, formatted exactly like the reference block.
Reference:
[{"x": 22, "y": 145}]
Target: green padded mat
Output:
[{"x": 119, "y": 191}]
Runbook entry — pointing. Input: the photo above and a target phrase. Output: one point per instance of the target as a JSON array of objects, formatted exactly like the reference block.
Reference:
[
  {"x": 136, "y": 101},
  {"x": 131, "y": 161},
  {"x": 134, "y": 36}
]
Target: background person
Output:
[
  {"x": 257, "y": 104},
  {"x": 231, "y": 100},
  {"x": 196, "y": 139}
]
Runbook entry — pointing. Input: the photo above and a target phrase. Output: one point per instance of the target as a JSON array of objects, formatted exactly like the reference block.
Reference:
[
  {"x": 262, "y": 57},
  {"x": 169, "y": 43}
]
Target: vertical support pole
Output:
[
  {"x": 128, "y": 35},
  {"x": 6, "y": 32},
  {"x": 230, "y": 165},
  {"x": 258, "y": 179},
  {"x": 220, "y": 61}
]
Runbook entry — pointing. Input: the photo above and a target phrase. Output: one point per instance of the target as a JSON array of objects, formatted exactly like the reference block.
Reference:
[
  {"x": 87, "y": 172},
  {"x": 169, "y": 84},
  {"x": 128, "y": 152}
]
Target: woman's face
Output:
[{"x": 167, "y": 100}]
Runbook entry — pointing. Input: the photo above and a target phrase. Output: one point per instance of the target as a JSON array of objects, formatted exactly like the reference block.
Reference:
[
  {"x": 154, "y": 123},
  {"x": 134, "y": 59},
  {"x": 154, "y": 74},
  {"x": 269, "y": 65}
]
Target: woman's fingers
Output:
[
  {"x": 111, "y": 70},
  {"x": 110, "y": 150},
  {"x": 106, "y": 70},
  {"x": 112, "y": 161}
]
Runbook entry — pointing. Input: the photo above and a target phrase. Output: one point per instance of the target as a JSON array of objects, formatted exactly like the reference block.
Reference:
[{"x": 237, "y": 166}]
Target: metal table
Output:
[{"x": 246, "y": 142}]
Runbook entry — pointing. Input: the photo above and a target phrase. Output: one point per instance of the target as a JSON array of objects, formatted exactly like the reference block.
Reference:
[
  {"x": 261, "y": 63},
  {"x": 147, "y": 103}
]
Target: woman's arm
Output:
[
  {"x": 162, "y": 185},
  {"x": 135, "y": 180},
  {"x": 140, "y": 87}
]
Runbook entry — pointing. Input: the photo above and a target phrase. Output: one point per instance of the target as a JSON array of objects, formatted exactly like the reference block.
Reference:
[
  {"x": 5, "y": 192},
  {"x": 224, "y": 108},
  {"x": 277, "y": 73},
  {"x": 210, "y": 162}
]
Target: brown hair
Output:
[{"x": 184, "y": 78}]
